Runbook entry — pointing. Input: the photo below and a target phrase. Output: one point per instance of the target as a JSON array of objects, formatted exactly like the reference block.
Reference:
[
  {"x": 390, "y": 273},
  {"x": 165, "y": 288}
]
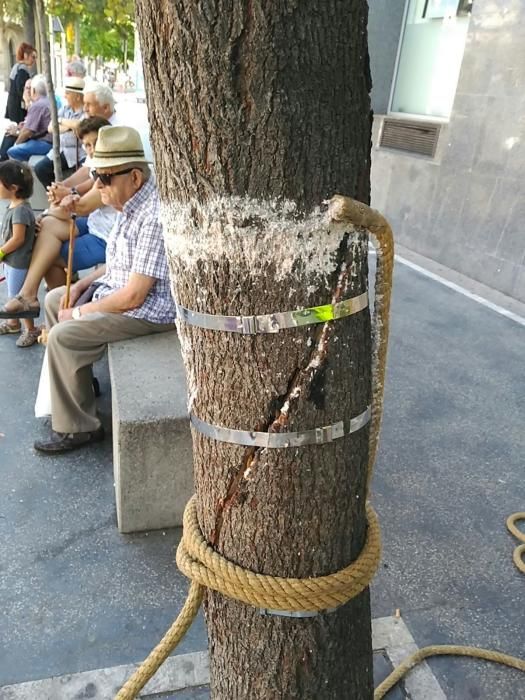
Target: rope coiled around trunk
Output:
[
  {"x": 202, "y": 564},
  {"x": 208, "y": 569}
]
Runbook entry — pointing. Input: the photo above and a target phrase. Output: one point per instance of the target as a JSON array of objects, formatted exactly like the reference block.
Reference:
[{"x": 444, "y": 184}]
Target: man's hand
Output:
[
  {"x": 74, "y": 292},
  {"x": 12, "y": 130},
  {"x": 56, "y": 192},
  {"x": 69, "y": 202},
  {"x": 65, "y": 314}
]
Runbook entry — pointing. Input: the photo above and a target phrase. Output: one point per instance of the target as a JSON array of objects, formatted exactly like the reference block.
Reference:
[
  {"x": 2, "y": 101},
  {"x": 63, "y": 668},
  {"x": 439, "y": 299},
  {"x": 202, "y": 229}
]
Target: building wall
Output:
[
  {"x": 15, "y": 33},
  {"x": 465, "y": 208},
  {"x": 384, "y": 27}
]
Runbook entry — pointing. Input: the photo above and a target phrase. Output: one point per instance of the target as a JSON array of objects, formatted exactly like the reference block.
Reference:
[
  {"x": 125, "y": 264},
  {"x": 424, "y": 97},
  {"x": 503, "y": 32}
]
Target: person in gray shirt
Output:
[{"x": 17, "y": 235}]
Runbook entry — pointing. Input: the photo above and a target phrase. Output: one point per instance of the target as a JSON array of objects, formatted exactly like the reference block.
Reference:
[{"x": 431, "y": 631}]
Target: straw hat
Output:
[
  {"x": 74, "y": 84},
  {"x": 117, "y": 145}
]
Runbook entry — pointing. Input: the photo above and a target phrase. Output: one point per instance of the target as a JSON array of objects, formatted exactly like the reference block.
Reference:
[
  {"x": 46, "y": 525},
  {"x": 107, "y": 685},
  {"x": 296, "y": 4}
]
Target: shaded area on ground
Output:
[{"x": 75, "y": 595}]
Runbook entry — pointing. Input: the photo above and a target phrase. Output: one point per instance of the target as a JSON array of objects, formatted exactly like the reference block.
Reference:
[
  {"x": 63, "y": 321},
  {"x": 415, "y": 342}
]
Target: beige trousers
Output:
[{"x": 72, "y": 347}]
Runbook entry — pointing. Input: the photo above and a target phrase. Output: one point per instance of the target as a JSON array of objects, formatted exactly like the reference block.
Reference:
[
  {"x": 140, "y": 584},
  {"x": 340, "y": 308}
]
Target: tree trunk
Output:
[
  {"x": 44, "y": 44},
  {"x": 259, "y": 111},
  {"x": 29, "y": 22},
  {"x": 77, "y": 36}
]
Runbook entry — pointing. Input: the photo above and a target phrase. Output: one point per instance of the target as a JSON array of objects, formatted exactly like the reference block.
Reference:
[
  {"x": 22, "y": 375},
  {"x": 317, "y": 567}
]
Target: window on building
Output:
[{"x": 432, "y": 47}]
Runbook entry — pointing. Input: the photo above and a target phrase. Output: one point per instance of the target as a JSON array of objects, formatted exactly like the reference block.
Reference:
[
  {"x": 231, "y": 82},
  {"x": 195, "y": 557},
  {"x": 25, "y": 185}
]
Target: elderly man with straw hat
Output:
[
  {"x": 127, "y": 298},
  {"x": 71, "y": 151}
]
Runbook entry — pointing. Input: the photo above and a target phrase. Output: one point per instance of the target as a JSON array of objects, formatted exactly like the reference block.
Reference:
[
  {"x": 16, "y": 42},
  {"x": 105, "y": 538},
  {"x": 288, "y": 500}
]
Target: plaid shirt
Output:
[
  {"x": 70, "y": 146},
  {"x": 135, "y": 244}
]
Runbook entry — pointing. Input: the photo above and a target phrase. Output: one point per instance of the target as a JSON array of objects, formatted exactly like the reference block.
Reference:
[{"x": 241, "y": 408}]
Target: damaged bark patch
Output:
[{"x": 316, "y": 391}]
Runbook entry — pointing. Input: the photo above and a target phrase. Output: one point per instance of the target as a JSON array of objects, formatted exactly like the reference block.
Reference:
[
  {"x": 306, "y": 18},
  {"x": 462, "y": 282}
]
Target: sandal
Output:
[
  {"x": 18, "y": 307},
  {"x": 6, "y": 328},
  {"x": 28, "y": 338}
]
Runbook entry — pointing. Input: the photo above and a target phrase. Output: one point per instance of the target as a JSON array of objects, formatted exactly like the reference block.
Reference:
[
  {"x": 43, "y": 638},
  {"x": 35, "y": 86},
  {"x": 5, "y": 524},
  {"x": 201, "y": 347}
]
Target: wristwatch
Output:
[{"x": 77, "y": 314}]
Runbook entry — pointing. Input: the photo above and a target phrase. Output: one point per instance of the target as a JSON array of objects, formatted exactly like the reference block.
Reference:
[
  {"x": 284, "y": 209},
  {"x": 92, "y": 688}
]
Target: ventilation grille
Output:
[{"x": 412, "y": 136}]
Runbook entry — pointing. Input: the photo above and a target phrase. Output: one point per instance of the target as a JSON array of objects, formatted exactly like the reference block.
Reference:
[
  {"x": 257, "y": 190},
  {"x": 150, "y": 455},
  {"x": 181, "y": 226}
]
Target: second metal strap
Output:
[
  {"x": 249, "y": 438},
  {"x": 272, "y": 323}
]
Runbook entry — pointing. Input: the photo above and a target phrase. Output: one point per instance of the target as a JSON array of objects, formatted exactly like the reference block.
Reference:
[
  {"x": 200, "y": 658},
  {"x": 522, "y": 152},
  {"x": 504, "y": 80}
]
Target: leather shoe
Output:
[{"x": 65, "y": 442}]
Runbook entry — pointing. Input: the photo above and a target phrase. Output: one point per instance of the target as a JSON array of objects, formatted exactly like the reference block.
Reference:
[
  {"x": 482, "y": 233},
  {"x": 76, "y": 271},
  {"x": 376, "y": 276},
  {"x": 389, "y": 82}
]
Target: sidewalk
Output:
[{"x": 75, "y": 595}]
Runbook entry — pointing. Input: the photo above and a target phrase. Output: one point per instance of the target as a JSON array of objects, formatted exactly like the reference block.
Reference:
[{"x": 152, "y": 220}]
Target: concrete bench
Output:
[{"x": 152, "y": 451}]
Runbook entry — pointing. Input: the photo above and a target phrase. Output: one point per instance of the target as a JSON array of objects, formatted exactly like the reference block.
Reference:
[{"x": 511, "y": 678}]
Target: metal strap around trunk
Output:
[
  {"x": 273, "y": 323},
  {"x": 249, "y": 438},
  {"x": 299, "y": 614}
]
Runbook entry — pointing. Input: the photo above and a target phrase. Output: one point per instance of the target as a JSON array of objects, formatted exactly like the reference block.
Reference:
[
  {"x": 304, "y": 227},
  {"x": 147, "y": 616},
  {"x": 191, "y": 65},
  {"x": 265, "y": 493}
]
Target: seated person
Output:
[
  {"x": 132, "y": 296},
  {"x": 75, "y": 67},
  {"x": 71, "y": 152},
  {"x": 98, "y": 102},
  {"x": 12, "y": 129},
  {"x": 50, "y": 252},
  {"x": 32, "y": 137}
]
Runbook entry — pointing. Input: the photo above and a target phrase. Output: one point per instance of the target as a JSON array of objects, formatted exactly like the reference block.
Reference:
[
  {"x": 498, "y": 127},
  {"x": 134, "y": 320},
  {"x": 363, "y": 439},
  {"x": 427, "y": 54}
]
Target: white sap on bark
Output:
[
  {"x": 285, "y": 512},
  {"x": 255, "y": 237}
]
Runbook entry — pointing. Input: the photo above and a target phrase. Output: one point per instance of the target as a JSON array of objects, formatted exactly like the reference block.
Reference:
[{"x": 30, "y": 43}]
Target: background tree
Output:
[
  {"x": 46, "y": 60},
  {"x": 121, "y": 16},
  {"x": 259, "y": 111},
  {"x": 103, "y": 28},
  {"x": 20, "y": 11},
  {"x": 11, "y": 9},
  {"x": 29, "y": 21}
]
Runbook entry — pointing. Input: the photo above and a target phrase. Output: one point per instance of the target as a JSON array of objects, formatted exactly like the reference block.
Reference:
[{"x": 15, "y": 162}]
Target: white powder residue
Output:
[
  {"x": 294, "y": 394},
  {"x": 254, "y": 234},
  {"x": 191, "y": 399}
]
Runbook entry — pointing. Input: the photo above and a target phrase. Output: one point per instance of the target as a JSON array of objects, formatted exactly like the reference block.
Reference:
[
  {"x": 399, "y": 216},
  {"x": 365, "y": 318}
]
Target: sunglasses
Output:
[{"x": 105, "y": 178}]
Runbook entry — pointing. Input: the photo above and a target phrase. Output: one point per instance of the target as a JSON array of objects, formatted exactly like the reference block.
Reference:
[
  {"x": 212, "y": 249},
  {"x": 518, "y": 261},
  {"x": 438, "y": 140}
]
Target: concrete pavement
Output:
[{"x": 75, "y": 595}]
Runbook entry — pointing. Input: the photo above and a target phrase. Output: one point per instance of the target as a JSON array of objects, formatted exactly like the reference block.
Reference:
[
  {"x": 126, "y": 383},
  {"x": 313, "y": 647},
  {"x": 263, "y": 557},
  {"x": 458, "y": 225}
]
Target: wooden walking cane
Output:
[{"x": 69, "y": 271}]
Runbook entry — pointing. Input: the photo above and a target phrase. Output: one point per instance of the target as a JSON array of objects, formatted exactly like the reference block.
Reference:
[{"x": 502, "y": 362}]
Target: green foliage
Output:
[
  {"x": 12, "y": 9},
  {"x": 107, "y": 44},
  {"x": 121, "y": 13},
  {"x": 67, "y": 10},
  {"x": 105, "y": 25}
]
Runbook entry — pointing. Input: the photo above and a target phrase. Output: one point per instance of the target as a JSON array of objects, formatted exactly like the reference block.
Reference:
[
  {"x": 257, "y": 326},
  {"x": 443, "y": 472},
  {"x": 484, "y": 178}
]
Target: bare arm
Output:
[
  {"x": 69, "y": 124},
  {"x": 83, "y": 205},
  {"x": 80, "y": 180},
  {"x": 79, "y": 288},
  {"x": 25, "y": 135},
  {"x": 89, "y": 279},
  {"x": 17, "y": 239},
  {"x": 129, "y": 297},
  {"x": 81, "y": 175},
  {"x": 63, "y": 126}
]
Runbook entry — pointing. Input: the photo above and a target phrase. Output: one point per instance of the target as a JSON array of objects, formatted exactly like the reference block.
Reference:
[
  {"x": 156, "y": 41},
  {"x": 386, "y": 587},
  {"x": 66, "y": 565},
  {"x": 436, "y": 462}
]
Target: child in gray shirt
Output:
[{"x": 17, "y": 236}]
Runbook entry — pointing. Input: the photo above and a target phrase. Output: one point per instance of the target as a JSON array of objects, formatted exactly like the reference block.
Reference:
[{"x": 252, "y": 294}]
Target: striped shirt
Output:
[{"x": 135, "y": 244}]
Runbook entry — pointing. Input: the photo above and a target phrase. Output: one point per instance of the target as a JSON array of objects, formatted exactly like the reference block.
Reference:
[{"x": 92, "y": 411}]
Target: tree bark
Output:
[
  {"x": 44, "y": 43},
  {"x": 29, "y": 22},
  {"x": 259, "y": 111},
  {"x": 77, "y": 36}
]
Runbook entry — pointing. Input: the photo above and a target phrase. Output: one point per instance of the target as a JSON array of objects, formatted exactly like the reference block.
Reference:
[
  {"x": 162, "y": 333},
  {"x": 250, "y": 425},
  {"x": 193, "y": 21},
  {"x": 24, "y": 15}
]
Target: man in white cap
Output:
[
  {"x": 71, "y": 152},
  {"x": 98, "y": 102},
  {"x": 129, "y": 297}
]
